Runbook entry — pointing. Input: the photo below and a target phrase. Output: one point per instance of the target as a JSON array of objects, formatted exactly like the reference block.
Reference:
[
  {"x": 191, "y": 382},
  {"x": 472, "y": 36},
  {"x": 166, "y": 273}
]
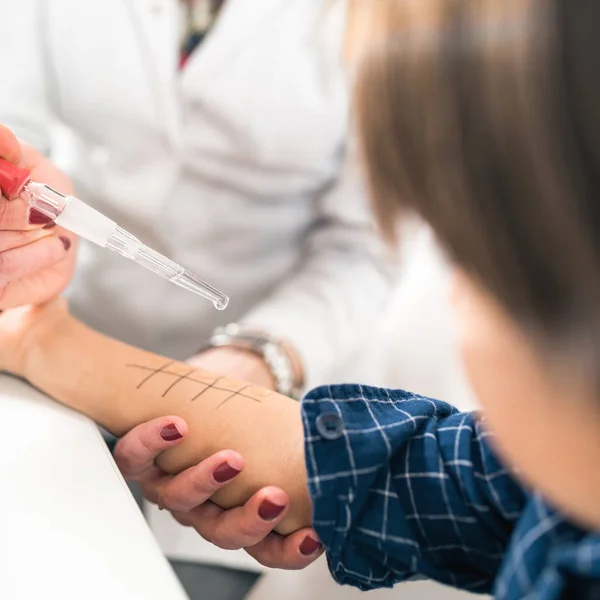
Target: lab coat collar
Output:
[{"x": 159, "y": 23}]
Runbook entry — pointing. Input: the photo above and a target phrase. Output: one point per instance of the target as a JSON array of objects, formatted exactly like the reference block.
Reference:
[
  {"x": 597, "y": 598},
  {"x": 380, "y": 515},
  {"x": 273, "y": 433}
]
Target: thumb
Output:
[{"x": 10, "y": 149}]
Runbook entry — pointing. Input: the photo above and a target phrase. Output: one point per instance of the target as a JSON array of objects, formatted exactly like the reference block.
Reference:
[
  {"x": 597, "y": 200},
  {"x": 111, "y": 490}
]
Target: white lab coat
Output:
[{"x": 234, "y": 168}]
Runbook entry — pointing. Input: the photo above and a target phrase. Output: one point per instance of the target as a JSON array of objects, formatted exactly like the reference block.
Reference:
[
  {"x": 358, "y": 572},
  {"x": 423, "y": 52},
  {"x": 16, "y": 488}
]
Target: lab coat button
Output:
[{"x": 330, "y": 426}]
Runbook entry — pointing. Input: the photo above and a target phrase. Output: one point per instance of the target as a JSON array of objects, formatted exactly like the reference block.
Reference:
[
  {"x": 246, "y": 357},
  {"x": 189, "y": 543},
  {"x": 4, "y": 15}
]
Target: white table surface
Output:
[{"x": 69, "y": 527}]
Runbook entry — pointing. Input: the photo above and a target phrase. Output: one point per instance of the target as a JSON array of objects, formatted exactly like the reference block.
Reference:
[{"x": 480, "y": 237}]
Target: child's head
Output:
[{"x": 483, "y": 117}]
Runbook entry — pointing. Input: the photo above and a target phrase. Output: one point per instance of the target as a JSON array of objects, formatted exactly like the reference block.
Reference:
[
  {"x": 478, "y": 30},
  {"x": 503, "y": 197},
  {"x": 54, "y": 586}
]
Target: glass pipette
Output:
[{"x": 83, "y": 220}]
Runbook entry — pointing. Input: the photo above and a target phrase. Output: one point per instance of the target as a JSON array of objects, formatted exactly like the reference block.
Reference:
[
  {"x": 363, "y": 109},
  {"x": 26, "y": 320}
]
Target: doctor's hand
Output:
[
  {"x": 36, "y": 259},
  {"x": 187, "y": 497}
]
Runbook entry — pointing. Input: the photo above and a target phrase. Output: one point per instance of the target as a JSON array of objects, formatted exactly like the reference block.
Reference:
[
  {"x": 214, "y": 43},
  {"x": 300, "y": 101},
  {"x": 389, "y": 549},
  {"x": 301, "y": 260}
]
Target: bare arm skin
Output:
[{"x": 120, "y": 386}]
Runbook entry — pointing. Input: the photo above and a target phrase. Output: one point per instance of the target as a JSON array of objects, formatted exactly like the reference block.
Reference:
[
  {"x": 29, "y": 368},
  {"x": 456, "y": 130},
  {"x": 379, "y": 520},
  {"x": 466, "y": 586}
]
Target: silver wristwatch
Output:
[{"x": 266, "y": 347}]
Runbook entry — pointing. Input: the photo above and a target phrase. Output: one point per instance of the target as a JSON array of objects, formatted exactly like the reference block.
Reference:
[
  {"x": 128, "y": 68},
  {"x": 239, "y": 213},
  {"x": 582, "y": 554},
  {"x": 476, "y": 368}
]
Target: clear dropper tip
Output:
[
  {"x": 193, "y": 283},
  {"x": 221, "y": 303}
]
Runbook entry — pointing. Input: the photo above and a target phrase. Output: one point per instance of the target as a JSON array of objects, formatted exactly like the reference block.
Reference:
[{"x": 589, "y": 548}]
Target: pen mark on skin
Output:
[
  {"x": 188, "y": 377},
  {"x": 238, "y": 393},
  {"x": 154, "y": 372},
  {"x": 208, "y": 387},
  {"x": 178, "y": 380},
  {"x": 164, "y": 370}
]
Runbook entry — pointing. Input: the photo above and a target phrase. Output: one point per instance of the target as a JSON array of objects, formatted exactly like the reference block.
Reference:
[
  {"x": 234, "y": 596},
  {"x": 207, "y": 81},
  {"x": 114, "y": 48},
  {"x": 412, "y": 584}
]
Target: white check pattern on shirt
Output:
[{"x": 407, "y": 487}]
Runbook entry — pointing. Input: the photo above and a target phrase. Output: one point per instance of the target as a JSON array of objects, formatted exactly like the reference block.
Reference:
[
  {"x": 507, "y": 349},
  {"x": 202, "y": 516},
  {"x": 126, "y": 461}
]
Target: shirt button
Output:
[{"x": 330, "y": 426}]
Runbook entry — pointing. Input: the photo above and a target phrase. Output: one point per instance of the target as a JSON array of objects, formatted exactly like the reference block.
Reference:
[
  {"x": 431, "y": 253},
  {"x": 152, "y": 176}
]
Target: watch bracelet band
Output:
[{"x": 269, "y": 349}]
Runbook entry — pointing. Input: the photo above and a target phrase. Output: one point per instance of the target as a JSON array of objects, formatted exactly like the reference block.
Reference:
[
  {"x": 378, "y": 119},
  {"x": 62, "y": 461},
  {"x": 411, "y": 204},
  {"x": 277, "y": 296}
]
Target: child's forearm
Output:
[{"x": 120, "y": 386}]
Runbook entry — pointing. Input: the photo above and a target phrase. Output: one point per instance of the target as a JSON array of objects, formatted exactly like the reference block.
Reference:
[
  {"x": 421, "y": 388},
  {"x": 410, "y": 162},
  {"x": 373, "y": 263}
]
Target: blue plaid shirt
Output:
[{"x": 406, "y": 487}]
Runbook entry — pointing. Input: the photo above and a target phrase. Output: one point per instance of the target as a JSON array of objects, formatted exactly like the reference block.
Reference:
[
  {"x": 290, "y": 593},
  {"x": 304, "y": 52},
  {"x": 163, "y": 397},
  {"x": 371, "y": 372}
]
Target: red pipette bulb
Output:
[{"x": 12, "y": 179}]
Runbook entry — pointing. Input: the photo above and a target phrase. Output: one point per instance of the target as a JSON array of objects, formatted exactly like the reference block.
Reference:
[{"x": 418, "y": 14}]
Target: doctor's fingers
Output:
[
  {"x": 238, "y": 527},
  {"x": 27, "y": 255},
  {"x": 16, "y": 239},
  {"x": 196, "y": 485},
  {"x": 16, "y": 215},
  {"x": 136, "y": 452},
  {"x": 10, "y": 149}
]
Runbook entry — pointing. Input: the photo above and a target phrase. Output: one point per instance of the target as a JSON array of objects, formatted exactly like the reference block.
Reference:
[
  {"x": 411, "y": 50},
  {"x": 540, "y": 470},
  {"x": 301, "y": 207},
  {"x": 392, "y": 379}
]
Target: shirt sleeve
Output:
[{"x": 404, "y": 486}]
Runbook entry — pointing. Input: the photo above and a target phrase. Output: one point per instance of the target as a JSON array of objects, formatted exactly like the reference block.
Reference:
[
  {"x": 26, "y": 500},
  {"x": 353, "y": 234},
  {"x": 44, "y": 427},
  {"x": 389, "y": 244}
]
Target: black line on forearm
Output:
[
  {"x": 154, "y": 372},
  {"x": 187, "y": 377},
  {"x": 238, "y": 393},
  {"x": 178, "y": 380},
  {"x": 208, "y": 387}
]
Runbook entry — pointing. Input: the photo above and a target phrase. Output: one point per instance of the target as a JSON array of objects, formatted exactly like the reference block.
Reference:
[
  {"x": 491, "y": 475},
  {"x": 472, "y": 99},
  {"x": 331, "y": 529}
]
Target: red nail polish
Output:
[
  {"x": 309, "y": 546},
  {"x": 50, "y": 225},
  {"x": 170, "y": 433},
  {"x": 38, "y": 218},
  {"x": 269, "y": 511},
  {"x": 224, "y": 473},
  {"x": 66, "y": 242}
]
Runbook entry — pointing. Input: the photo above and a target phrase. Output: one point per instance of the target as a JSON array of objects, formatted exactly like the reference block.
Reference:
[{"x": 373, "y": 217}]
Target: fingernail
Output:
[
  {"x": 309, "y": 546},
  {"x": 170, "y": 433},
  {"x": 38, "y": 218},
  {"x": 66, "y": 242},
  {"x": 224, "y": 473},
  {"x": 50, "y": 225},
  {"x": 269, "y": 511}
]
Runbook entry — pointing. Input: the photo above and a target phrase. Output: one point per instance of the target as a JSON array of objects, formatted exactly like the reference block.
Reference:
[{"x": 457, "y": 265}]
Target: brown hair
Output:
[{"x": 483, "y": 117}]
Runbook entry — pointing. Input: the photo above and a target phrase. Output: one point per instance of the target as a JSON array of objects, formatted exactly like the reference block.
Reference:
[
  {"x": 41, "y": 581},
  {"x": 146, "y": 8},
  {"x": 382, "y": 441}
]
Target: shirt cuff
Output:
[
  {"x": 340, "y": 475},
  {"x": 328, "y": 465}
]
